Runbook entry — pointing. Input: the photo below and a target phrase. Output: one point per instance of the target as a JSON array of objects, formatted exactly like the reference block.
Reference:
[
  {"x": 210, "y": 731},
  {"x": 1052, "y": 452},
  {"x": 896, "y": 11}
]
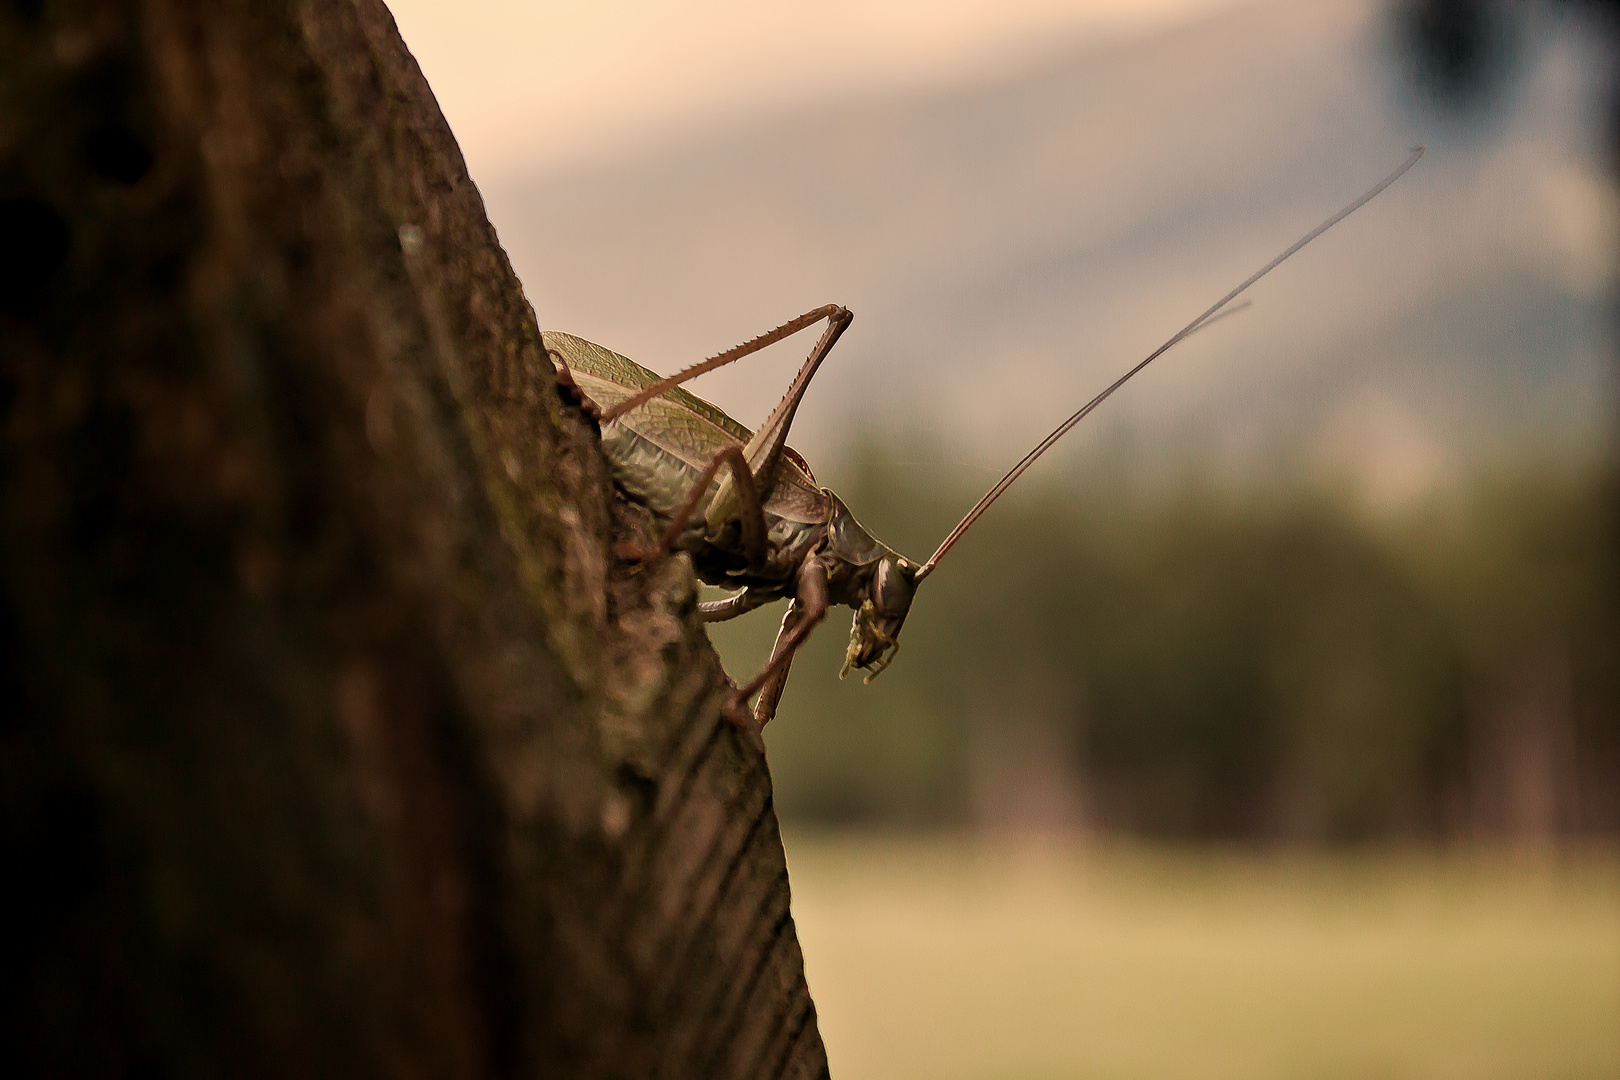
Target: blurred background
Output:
[{"x": 1271, "y": 726}]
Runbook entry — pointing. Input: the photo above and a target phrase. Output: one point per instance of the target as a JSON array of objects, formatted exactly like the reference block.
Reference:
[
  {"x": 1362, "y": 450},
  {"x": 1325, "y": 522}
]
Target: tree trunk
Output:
[{"x": 335, "y": 742}]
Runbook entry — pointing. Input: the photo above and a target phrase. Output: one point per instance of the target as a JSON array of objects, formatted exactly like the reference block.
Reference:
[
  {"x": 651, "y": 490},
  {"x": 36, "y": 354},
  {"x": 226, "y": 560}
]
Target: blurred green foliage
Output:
[{"x": 1175, "y": 655}]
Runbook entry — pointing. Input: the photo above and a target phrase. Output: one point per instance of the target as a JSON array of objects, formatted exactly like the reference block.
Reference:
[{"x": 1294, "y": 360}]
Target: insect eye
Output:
[{"x": 892, "y": 588}]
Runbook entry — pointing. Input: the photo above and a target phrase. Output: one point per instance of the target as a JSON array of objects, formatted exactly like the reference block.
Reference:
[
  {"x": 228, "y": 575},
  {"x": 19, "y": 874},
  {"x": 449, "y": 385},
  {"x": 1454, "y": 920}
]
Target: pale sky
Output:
[
  {"x": 1223, "y": 145},
  {"x": 578, "y": 80}
]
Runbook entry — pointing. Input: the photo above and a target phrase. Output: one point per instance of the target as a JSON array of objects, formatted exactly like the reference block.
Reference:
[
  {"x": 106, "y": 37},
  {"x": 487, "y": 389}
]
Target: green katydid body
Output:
[
  {"x": 766, "y": 527},
  {"x": 659, "y": 452}
]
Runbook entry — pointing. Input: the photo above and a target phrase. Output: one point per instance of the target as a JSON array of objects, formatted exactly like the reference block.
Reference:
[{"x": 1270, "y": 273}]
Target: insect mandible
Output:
[{"x": 746, "y": 510}]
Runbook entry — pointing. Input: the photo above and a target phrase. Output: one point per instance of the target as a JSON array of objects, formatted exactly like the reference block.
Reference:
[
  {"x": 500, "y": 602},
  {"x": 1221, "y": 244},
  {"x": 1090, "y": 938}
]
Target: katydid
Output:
[{"x": 744, "y": 507}]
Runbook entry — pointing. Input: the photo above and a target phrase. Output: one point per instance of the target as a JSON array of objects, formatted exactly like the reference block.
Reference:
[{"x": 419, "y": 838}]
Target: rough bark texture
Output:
[{"x": 334, "y": 740}]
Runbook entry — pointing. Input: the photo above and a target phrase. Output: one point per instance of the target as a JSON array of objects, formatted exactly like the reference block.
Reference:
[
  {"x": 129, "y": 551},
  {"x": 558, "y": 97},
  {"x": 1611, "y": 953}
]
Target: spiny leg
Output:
[
  {"x": 752, "y": 516},
  {"x": 736, "y": 352},
  {"x": 809, "y": 607},
  {"x": 765, "y": 448}
]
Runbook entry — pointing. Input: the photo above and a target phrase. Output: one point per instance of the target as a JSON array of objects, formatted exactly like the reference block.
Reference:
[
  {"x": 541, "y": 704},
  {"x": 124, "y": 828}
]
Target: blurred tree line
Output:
[
  {"x": 1183, "y": 657},
  {"x": 1194, "y": 658}
]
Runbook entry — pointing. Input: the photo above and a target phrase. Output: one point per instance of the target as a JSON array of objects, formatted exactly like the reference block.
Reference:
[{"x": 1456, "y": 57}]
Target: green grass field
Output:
[{"x": 1002, "y": 958}]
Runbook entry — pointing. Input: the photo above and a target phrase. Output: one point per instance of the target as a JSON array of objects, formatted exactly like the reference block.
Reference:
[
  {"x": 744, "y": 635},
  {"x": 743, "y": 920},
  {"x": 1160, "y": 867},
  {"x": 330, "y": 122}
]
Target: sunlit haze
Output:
[
  {"x": 1254, "y": 596},
  {"x": 575, "y": 80}
]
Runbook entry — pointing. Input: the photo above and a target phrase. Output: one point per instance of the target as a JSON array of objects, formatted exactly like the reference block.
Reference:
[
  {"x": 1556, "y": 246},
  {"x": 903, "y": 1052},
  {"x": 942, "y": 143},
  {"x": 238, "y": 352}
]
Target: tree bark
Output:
[{"x": 335, "y": 742}]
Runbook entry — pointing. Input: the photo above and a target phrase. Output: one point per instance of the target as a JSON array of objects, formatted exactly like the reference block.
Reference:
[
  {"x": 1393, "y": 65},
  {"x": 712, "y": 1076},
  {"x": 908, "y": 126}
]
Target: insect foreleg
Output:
[
  {"x": 809, "y": 607},
  {"x": 751, "y": 517},
  {"x": 770, "y": 694}
]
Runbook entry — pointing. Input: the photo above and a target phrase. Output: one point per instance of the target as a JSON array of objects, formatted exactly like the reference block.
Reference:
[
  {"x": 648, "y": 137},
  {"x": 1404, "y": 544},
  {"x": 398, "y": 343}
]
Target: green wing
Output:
[
  {"x": 659, "y": 448},
  {"x": 615, "y": 378}
]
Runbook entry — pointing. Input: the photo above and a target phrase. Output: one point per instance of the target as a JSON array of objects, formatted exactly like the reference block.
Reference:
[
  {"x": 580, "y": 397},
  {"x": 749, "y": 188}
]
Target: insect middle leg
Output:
[
  {"x": 770, "y": 691},
  {"x": 736, "y": 604}
]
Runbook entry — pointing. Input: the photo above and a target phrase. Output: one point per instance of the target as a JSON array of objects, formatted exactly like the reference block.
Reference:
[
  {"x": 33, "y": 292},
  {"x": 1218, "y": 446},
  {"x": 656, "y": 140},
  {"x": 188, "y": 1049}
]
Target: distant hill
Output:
[{"x": 1008, "y": 246}]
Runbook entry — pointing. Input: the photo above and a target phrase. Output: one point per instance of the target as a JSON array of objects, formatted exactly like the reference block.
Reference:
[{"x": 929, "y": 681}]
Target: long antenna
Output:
[{"x": 1045, "y": 444}]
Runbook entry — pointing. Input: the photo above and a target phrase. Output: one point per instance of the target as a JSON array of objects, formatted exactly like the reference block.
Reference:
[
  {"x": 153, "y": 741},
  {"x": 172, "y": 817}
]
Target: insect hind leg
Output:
[
  {"x": 736, "y": 352},
  {"x": 752, "y": 516}
]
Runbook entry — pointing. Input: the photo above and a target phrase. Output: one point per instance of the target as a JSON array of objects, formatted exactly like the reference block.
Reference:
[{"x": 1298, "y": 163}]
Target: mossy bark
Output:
[{"x": 335, "y": 742}]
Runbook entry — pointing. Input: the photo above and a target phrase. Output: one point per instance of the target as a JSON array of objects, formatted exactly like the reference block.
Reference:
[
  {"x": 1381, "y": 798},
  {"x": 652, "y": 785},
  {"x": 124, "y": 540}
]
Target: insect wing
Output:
[{"x": 659, "y": 448}]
